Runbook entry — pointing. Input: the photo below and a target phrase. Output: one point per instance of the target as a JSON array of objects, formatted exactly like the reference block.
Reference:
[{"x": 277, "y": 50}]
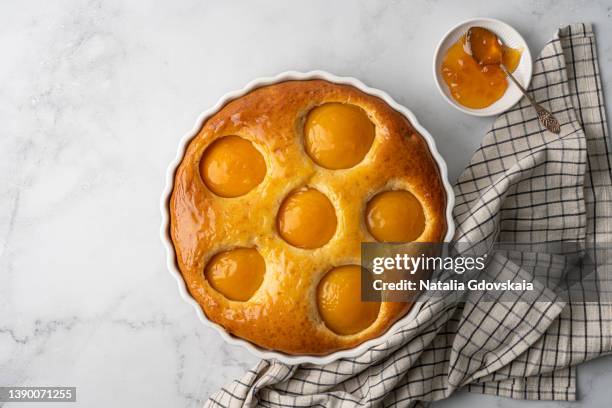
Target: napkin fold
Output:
[{"x": 523, "y": 185}]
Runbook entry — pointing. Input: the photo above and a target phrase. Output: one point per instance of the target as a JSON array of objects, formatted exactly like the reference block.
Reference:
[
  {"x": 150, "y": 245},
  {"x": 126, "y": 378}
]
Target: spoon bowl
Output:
[{"x": 484, "y": 46}]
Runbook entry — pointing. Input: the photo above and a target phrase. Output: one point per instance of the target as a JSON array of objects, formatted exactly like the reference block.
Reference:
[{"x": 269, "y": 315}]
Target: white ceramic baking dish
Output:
[{"x": 165, "y": 226}]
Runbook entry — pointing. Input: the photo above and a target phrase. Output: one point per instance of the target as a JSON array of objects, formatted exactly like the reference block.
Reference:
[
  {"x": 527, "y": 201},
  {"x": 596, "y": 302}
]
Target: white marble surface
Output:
[{"x": 94, "y": 97}]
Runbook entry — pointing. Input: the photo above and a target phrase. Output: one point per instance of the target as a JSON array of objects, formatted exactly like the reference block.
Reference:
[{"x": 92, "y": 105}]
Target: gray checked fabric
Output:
[{"x": 523, "y": 185}]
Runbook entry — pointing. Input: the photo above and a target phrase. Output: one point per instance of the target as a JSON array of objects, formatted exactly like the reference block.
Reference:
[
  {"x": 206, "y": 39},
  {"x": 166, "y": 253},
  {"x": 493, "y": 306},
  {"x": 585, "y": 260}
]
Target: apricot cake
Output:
[{"x": 273, "y": 198}]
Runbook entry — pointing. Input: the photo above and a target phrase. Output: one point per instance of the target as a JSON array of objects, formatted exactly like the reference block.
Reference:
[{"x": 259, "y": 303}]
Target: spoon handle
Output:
[{"x": 546, "y": 118}]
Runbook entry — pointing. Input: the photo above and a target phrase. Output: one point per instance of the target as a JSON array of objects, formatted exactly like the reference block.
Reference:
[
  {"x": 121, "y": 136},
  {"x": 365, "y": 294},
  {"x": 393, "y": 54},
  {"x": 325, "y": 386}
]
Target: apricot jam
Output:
[{"x": 471, "y": 84}]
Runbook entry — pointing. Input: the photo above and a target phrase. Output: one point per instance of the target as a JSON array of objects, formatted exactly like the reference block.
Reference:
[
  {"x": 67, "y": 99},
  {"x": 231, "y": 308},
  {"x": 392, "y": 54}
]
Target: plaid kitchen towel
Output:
[{"x": 523, "y": 185}]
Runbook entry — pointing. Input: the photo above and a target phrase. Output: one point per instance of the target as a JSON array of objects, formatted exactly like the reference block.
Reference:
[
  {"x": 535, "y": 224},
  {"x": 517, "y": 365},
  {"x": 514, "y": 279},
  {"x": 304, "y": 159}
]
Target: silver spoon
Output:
[{"x": 486, "y": 48}]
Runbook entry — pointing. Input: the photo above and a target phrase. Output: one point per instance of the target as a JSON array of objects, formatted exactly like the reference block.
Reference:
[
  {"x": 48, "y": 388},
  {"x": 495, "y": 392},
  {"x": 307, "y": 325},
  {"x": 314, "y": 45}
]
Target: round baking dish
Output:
[{"x": 165, "y": 225}]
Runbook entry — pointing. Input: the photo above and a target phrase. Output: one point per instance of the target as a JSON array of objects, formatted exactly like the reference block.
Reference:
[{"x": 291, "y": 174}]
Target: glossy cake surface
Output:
[{"x": 273, "y": 198}]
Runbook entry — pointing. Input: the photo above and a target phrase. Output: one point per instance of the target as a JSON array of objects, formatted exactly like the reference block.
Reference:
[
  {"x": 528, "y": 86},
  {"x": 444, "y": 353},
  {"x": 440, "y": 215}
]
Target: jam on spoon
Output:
[
  {"x": 474, "y": 85},
  {"x": 487, "y": 50}
]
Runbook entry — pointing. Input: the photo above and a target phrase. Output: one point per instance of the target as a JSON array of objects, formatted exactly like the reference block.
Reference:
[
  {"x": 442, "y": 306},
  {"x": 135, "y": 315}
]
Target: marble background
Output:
[{"x": 94, "y": 97}]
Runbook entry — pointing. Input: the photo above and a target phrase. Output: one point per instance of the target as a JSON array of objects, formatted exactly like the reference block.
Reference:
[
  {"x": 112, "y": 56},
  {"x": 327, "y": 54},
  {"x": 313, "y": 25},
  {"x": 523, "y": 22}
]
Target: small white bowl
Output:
[
  {"x": 165, "y": 214},
  {"x": 509, "y": 37}
]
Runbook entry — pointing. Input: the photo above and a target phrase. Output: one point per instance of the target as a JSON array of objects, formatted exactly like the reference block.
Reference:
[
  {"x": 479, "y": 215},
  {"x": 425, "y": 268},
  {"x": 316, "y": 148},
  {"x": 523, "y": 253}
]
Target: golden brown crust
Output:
[{"x": 283, "y": 315}]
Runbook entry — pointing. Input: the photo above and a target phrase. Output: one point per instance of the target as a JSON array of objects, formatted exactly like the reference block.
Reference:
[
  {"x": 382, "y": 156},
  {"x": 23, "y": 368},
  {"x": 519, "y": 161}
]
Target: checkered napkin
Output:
[{"x": 523, "y": 185}]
